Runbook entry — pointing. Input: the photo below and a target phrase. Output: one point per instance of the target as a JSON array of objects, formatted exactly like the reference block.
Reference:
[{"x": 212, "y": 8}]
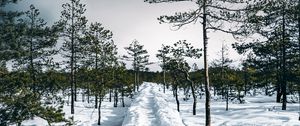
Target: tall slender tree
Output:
[
  {"x": 73, "y": 23},
  {"x": 162, "y": 55},
  {"x": 36, "y": 45},
  {"x": 179, "y": 68},
  {"x": 100, "y": 52},
  {"x": 96, "y": 38},
  {"x": 139, "y": 58},
  {"x": 223, "y": 63}
]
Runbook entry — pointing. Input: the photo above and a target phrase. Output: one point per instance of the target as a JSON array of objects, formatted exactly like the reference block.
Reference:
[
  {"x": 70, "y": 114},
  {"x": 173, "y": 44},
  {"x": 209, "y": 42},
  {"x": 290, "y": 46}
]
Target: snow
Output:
[
  {"x": 36, "y": 121},
  {"x": 111, "y": 116},
  {"x": 87, "y": 115},
  {"x": 152, "y": 107},
  {"x": 258, "y": 110}
]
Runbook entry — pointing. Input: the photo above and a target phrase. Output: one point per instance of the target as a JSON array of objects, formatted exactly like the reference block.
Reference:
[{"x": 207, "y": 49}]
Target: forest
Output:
[{"x": 92, "y": 75}]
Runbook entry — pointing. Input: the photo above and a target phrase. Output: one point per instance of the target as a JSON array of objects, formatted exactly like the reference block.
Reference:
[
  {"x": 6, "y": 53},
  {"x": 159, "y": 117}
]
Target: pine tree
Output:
[
  {"x": 96, "y": 38},
  {"x": 162, "y": 55},
  {"x": 33, "y": 52},
  {"x": 139, "y": 59},
  {"x": 72, "y": 24},
  {"x": 123, "y": 79},
  {"x": 10, "y": 32},
  {"x": 223, "y": 63},
  {"x": 179, "y": 68},
  {"x": 100, "y": 52},
  {"x": 36, "y": 46}
]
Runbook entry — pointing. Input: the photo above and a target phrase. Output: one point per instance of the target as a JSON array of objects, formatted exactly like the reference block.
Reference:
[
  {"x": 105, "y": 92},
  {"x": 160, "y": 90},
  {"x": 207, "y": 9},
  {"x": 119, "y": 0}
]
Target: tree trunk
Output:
[
  {"x": 135, "y": 81},
  {"x": 278, "y": 79},
  {"x": 284, "y": 81},
  {"x": 227, "y": 97},
  {"x": 72, "y": 91},
  {"x": 96, "y": 79},
  {"x": 75, "y": 89},
  {"x": 138, "y": 80},
  {"x": 195, "y": 99},
  {"x": 215, "y": 90},
  {"x": 101, "y": 96},
  {"x": 116, "y": 98},
  {"x": 164, "y": 72},
  {"x": 99, "y": 111},
  {"x": 245, "y": 81},
  {"x": 123, "y": 103},
  {"x": 176, "y": 97},
  {"x": 96, "y": 100},
  {"x": 75, "y": 80},
  {"x": 278, "y": 95},
  {"x": 207, "y": 93},
  {"x": 193, "y": 92},
  {"x": 82, "y": 97},
  {"x": 72, "y": 61},
  {"x": 88, "y": 93},
  {"x": 110, "y": 93}
]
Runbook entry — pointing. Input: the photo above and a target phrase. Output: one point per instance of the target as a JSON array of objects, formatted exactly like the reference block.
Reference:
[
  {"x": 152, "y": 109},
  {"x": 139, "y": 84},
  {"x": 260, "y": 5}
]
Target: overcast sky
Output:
[{"x": 135, "y": 19}]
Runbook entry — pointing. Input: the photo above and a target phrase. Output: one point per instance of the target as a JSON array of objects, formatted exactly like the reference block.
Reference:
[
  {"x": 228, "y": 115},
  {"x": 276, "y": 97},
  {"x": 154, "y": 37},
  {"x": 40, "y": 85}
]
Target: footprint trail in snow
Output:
[{"x": 151, "y": 109}]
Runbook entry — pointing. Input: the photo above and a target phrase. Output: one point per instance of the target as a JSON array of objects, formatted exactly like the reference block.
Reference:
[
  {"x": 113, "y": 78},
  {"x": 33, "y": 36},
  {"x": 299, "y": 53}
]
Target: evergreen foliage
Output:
[
  {"x": 179, "y": 68},
  {"x": 274, "y": 52},
  {"x": 139, "y": 58},
  {"x": 72, "y": 25},
  {"x": 31, "y": 43}
]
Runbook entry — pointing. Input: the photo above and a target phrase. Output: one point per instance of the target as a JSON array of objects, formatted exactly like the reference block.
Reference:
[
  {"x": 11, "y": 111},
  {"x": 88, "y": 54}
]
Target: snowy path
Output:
[
  {"x": 150, "y": 108},
  {"x": 147, "y": 106}
]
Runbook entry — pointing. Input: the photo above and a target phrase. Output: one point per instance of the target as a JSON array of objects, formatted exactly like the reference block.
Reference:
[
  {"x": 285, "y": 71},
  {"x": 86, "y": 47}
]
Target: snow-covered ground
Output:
[
  {"x": 87, "y": 115},
  {"x": 257, "y": 111},
  {"x": 151, "y": 107},
  {"x": 260, "y": 110}
]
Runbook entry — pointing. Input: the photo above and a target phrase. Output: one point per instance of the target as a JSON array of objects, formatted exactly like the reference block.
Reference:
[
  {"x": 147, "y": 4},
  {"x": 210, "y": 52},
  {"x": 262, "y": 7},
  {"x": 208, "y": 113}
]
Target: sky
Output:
[{"x": 136, "y": 19}]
